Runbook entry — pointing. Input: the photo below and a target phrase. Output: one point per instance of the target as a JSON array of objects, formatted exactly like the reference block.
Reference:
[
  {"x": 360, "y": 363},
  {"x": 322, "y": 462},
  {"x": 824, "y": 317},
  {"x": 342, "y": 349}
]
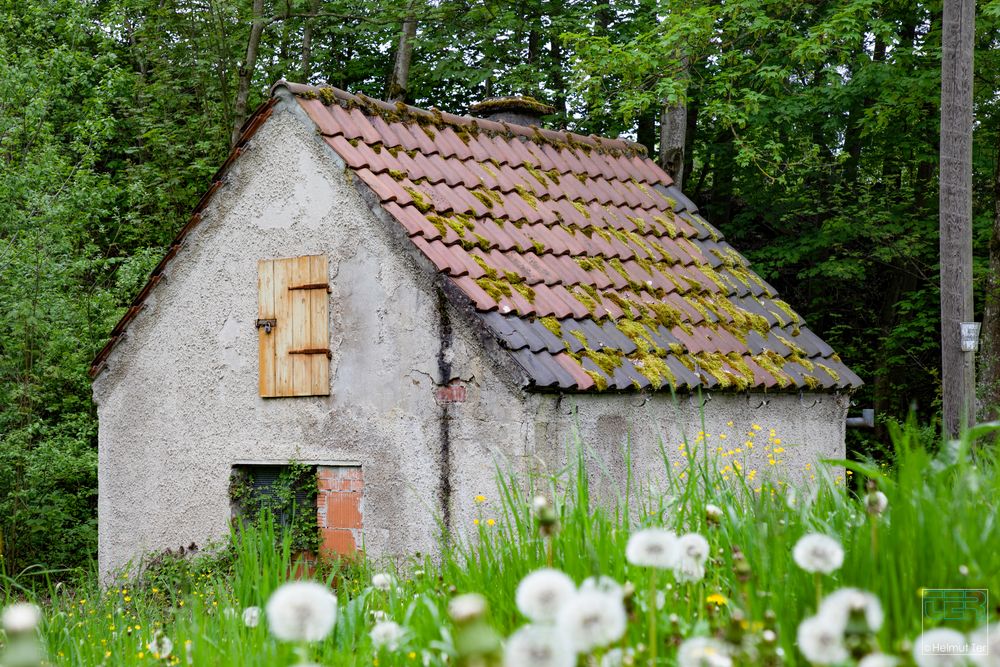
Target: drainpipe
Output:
[{"x": 866, "y": 420}]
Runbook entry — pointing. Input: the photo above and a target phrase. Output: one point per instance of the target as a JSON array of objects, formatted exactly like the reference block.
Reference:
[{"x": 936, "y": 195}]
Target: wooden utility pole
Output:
[{"x": 957, "y": 367}]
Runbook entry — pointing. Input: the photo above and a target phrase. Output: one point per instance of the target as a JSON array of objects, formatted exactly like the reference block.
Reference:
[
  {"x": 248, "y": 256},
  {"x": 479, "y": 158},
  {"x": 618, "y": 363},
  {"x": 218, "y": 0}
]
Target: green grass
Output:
[{"x": 940, "y": 531}]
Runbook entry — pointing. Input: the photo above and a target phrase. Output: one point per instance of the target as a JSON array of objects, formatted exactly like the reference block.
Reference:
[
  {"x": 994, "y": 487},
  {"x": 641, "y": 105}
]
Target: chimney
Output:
[{"x": 516, "y": 110}]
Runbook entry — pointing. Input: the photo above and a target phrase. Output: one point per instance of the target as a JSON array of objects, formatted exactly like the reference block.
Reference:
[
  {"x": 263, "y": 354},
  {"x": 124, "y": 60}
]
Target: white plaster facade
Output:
[{"x": 178, "y": 400}]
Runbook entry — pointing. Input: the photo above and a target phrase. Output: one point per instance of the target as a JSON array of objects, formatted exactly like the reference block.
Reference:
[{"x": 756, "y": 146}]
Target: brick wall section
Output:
[{"x": 338, "y": 509}]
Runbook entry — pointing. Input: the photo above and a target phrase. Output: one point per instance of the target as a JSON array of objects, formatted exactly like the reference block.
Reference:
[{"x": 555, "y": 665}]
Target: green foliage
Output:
[{"x": 290, "y": 499}]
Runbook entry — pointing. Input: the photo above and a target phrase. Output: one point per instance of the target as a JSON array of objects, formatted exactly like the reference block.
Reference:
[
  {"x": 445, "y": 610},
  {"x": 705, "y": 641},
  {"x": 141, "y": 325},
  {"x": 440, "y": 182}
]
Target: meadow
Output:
[{"x": 709, "y": 570}]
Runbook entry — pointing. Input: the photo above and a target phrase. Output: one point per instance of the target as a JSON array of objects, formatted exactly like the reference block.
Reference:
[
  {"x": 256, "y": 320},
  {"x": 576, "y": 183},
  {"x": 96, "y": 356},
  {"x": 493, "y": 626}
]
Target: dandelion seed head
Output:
[
  {"x": 467, "y": 607},
  {"x": 541, "y": 594},
  {"x": 876, "y": 502},
  {"x": 161, "y": 645},
  {"x": 818, "y": 553},
  {"x": 387, "y": 634},
  {"x": 603, "y": 584},
  {"x": 382, "y": 581},
  {"x": 592, "y": 619},
  {"x": 538, "y": 646},
  {"x": 713, "y": 513},
  {"x": 840, "y": 604},
  {"x": 940, "y": 647},
  {"x": 251, "y": 617},
  {"x": 985, "y": 646},
  {"x": 21, "y": 617},
  {"x": 652, "y": 547},
  {"x": 704, "y": 652},
  {"x": 878, "y": 660},
  {"x": 821, "y": 640},
  {"x": 302, "y": 611}
]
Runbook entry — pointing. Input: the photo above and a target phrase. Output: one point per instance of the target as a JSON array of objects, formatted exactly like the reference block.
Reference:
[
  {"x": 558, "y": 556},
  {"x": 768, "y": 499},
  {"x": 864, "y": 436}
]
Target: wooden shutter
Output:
[{"x": 292, "y": 300}]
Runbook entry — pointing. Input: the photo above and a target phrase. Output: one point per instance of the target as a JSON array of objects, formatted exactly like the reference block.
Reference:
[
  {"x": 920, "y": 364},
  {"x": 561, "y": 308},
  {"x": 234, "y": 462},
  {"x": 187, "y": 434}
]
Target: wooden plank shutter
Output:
[{"x": 293, "y": 302}]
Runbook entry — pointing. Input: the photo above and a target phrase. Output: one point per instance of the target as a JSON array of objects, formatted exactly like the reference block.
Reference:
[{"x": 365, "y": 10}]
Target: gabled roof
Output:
[{"x": 577, "y": 253}]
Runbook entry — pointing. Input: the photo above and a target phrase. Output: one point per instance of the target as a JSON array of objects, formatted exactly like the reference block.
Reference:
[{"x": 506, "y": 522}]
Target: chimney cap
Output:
[{"x": 517, "y": 109}]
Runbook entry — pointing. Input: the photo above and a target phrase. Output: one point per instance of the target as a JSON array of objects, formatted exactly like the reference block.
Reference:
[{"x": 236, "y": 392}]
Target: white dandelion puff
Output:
[
  {"x": 541, "y": 594},
  {"x": 251, "y": 617},
  {"x": 387, "y": 634},
  {"x": 160, "y": 645},
  {"x": 592, "y": 619},
  {"x": 704, "y": 652},
  {"x": 713, "y": 513},
  {"x": 21, "y": 617},
  {"x": 302, "y": 611},
  {"x": 818, "y": 553},
  {"x": 538, "y": 646},
  {"x": 821, "y": 640},
  {"x": 382, "y": 581},
  {"x": 539, "y": 503},
  {"x": 842, "y": 603},
  {"x": 692, "y": 552},
  {"x": 603, "y": 584},
  {"x": 940, "y": 647},
  {"x": 984, "y": 646},
  {"x": 467, "y": 607},
  {"x": 878, "y": 660},
  {"x": 876, "y": 502},
  {"x": 652, "y": 547}
]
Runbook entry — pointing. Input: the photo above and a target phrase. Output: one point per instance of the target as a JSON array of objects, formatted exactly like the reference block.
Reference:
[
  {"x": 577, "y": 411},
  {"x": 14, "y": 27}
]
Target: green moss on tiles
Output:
[
  {"x": 439, "y": 224},
  {"x": 588, "y": 263},
  {"x": 599, "y": 380},
  {"x": 527, "y": 195},
  {"x": 394, "y": 150},
  {"x": 654, "y": 369},
  {"x": 480, "y": 194},
  {"x": 538, "y": 246},
  {"x": 482, "y": 242},
  {"x": 397, "y": 174},
  {"x": 677, "y": 349},
  {"x": 619, "y": 268},
  {"x": 487, "y": 269},
  {"x": 811, "y": 381},
  {"x": 552, "y": 324},
  {"x": 787, "y": 310},
  {"x": 829, "y": 371},
  {"x": 419, "y": 200},
  {"x": 553, "y": 175},
  {"x": 772, "y": 362},
  {"x": 538, "y": 174},
  {"x": 487, "y": 169},
  {"x": 580, "y": 336},
  {"x": 579, "y": 205},
  {"x": 667, "y": 315},
  {"x": 525, "y": 291},
  {"x": 498, "y": 289},
  {"x": 327, "y": 95},
  {"x": 583, "y": 297},
  {"x": 668, "y": 226}
]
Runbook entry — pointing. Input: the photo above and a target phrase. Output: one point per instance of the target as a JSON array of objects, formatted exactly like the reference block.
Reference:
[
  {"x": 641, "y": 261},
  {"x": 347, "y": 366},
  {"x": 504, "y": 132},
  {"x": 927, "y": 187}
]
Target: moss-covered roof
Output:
[{"x": 578, "y": 253}]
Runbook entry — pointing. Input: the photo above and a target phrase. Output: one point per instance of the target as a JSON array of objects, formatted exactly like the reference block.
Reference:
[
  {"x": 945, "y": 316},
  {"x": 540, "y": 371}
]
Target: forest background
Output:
[{"x": 806, "y": 131}]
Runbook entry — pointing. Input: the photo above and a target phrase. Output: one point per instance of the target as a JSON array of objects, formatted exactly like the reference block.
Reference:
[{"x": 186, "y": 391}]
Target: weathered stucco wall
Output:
[{"x": 178, "y": 402}]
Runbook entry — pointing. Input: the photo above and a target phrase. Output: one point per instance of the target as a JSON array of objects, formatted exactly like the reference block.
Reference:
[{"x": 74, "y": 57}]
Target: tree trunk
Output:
[
  {"x": 989, "y": 350},
  {"x": 246, "y": 71},
  {"x": 307, "y": 31},
  {"x": 957, "y": 367},
  {"x": 400, "y": 79},
  {"x": 692, "y": 131},
  {"x": 673, "y": 135}
]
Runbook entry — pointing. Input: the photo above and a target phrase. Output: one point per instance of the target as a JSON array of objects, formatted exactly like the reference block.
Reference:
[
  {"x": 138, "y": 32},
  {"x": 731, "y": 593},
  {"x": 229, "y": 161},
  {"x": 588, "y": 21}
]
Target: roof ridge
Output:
[{"x": 330, "y": 94}]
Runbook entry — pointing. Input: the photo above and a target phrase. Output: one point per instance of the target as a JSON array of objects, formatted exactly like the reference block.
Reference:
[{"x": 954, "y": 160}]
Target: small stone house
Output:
[{"x": 403, "y": 298}]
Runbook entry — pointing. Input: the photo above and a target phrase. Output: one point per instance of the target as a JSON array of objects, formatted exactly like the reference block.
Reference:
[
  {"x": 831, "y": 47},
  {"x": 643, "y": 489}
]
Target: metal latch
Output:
[{"x": 267, "y": 324}]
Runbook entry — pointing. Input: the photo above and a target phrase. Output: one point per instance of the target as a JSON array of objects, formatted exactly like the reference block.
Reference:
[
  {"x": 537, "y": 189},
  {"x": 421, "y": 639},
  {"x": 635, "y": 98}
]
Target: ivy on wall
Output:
[{"x": 288, "y": 493}]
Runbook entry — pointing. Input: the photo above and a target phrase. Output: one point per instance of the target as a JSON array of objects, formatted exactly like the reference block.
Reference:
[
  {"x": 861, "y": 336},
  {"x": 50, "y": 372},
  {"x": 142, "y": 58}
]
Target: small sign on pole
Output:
[{"x": 970, "y": 336}]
